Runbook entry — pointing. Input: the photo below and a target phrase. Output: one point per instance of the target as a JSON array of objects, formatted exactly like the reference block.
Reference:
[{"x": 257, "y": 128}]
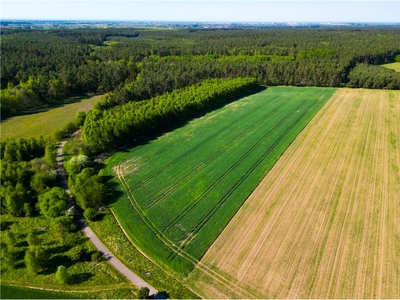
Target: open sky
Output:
[{"x": 195, "y": 10}]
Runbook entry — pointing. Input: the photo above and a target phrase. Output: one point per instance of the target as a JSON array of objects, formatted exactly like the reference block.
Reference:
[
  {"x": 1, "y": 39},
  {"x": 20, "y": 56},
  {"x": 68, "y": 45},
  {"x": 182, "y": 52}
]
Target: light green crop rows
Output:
[{"x": 180, "y": 190}]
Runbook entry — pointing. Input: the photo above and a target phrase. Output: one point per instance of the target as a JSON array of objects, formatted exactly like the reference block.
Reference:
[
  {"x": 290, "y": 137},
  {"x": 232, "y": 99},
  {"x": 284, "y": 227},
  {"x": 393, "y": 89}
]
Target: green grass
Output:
[
  {"x": 185, "y": 186},
  {"x": 20, "y": 292},
  {"x": 44, "y": 121},
  {"x": 17, "y": 292},
  {"x": 395, "y": 66}
]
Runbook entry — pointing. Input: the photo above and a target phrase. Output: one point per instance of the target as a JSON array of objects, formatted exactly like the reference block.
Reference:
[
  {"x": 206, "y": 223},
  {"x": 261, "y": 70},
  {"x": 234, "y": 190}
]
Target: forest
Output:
[{"x": 43, "y": 66}]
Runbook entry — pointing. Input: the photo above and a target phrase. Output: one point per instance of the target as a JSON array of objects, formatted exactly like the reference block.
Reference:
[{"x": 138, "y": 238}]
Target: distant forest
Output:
[{"x": 43, "y": 66}]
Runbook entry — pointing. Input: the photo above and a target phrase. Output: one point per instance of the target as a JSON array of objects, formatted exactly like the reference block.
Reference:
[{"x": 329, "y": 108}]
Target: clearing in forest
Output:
[
  {"x": 43, "y": 121},
  {"x": 325, "y": 221},
  {"x": 180, "y": 190},
  {"x": 395, "y": 66}
]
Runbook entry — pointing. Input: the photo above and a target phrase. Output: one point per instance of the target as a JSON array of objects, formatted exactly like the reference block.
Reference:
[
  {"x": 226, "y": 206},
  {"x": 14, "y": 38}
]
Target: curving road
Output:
[{"x": 135, "y": 279}]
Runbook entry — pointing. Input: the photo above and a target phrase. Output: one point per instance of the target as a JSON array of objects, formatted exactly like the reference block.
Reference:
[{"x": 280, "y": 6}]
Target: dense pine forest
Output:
[{"x": 43, "y": 66}]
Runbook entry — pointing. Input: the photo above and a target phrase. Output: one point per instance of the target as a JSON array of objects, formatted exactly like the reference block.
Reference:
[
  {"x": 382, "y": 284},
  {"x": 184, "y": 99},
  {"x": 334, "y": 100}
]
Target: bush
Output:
[
  {"x": 97, "y": 256},
  {"x": 9, "y": 256},
  {"x": 78, "y": 253},
  {"x": 65, "y": 224},
  {"x": 62, "y": 275},
  {"x": 143, "y": 293},
  {"x": 32, "y": 239},
  {"x": 36, "y": 259},
  {"x": 90, "y": 214}
]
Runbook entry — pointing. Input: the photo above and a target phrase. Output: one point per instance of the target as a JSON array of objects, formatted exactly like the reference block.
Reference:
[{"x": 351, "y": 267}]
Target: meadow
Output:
[
  {"x": 43, "y": 121},
  {"x": 324, "y": 222},
  {"x": 178, "y": 191},
  {"x": 395, "y": 66}
]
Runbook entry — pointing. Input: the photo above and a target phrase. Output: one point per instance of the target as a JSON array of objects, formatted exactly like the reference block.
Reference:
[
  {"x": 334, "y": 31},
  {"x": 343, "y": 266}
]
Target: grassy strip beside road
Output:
[{"x": 43, "y": 122}]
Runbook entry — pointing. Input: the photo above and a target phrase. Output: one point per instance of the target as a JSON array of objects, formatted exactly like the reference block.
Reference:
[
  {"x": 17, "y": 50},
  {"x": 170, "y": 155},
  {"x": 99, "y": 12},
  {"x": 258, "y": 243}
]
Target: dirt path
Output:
[{"x": 132, "y": 277}]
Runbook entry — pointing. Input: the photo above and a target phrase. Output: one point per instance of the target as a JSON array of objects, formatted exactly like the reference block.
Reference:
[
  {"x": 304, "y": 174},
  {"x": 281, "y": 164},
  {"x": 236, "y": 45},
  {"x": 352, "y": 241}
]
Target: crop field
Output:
[
  {"x": 179, "y": 191},
  {"x": 42, "y": 122},
  {"x": 325, "y": 221}
]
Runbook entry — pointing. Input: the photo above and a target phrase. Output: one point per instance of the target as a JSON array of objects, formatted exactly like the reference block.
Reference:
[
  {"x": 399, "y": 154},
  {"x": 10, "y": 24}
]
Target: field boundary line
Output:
[
  {"x": 198, "y": 200},
  {"x": 209, "y": 215},
  {"x": 144, "y": 254}
]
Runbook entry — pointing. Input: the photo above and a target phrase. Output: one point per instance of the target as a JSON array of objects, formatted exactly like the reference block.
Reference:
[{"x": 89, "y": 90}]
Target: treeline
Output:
[
  {"x": 374, "y": 77},
  {"x": 106, "y": 128},
  {"x": 41, "y": 66}
]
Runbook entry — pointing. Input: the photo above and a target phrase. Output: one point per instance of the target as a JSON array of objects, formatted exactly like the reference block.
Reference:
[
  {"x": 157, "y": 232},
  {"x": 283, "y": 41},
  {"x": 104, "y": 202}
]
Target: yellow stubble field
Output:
[{"x": 325, "y": 221}]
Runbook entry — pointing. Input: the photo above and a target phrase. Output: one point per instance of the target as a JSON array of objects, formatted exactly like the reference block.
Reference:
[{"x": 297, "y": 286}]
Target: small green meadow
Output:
[
  {"x": 395, "y": 66},
  {"x": 42, "y": 122}
]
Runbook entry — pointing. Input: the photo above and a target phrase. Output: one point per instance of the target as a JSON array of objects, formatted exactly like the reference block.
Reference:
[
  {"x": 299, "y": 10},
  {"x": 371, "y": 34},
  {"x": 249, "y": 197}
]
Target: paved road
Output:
[{"x": 136, "y": 280}]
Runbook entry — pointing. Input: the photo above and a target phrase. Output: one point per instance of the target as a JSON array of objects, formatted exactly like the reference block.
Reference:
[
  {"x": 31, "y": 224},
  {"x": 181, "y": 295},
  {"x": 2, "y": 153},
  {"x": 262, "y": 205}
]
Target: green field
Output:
[
  {"x": 181, "y": 189},
  {"x": 395, "y": 66},
  {"x": 43, "y": 122}
]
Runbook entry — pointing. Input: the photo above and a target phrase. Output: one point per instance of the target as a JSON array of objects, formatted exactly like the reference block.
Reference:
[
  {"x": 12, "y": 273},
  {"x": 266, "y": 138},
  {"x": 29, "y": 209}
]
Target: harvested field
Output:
[{"x": 325, "y": 221}]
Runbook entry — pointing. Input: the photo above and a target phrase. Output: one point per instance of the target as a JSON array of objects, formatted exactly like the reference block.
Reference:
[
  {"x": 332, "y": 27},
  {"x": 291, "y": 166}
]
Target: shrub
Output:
[
  {"x": 35, "y": 259},
  {"x": 97, "y": 256},
  {"x": 77, "y": 253},
  {"x": 62, "y": 275},
  {"x": 90, "y": 213},
  {"x": 65, "y": 224},
  {"x": 32, "y": 239},
  {"x": 143, "y": 293}
]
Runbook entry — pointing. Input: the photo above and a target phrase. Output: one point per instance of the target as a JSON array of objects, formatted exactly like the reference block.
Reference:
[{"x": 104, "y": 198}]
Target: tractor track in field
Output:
[
  {"x": 204, "y": 163},
  {"x": 173, "y": 247},
  {"x": 193, "y": 204},
  {"x": 214, "y": 209}
]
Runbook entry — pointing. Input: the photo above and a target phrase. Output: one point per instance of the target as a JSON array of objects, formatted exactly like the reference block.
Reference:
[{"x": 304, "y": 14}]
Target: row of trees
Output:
[{"x": 104, "y": 129}]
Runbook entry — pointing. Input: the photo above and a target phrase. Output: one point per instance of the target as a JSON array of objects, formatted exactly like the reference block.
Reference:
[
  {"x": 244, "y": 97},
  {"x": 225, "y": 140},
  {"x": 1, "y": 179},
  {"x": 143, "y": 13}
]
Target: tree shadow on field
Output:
[
  {"x": 79, "y": 278},
  {"x": 113, "y": 189},
  {"x": 181, "y": 121},
  {"x": 160, "y": 295}
]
